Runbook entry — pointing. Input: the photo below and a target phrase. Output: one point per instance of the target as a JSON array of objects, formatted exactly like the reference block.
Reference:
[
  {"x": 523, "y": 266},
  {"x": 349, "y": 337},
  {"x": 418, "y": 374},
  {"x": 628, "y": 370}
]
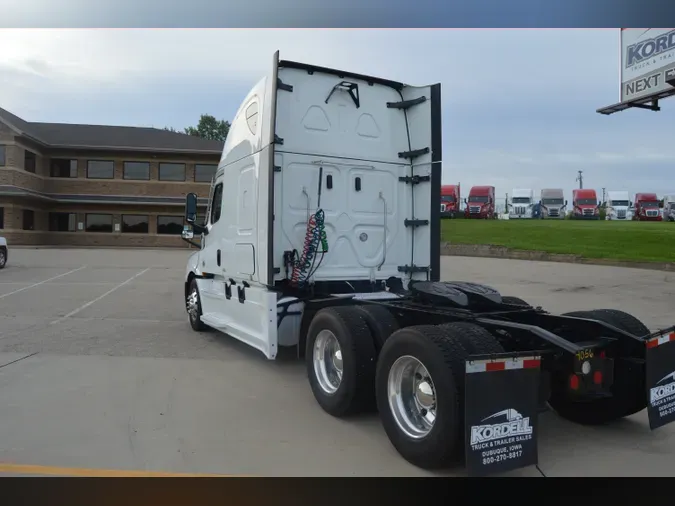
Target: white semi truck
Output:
[
  {"x": 553, "y": 203},
  {"x": 522, "y": 203},
  {"x": 4, "y": 252},
  {"x": 669, "y": 208},
  {"x": 619, "y": 206},
  {"x": 322, "y": 234}
]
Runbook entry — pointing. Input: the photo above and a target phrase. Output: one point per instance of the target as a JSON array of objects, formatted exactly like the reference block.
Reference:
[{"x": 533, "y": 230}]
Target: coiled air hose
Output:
[{"x": 315, "y": 236}]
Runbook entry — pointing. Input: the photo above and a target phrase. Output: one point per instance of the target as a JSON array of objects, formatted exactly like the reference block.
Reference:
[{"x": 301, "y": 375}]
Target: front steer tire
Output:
[
  {"x": 629, "y": 394},
  {"x": 193, "y": 305},
  {"x": 356, "y": 390},
  {"x": 443, "y": 357}
]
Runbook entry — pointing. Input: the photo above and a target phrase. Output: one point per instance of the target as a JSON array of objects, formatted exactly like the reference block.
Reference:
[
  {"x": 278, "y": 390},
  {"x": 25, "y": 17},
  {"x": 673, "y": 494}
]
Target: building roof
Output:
[{"x": 67, "y": 135}]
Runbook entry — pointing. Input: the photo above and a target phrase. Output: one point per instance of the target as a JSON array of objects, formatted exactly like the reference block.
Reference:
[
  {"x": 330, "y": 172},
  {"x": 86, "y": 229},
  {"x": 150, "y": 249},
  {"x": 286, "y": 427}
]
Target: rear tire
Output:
[
  {"x": 473, "y": 338},
  {"x": 441, "y": 357},
  {"x": 381, "y": 322},
  {"x": 629, "y": 394},
  {"x": 342, "y": 378},
  {"x": 3, "y": 257},
  {"x": 622, "y": 320}
]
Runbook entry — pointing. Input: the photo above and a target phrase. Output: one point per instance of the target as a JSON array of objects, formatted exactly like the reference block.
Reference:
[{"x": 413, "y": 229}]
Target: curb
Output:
[{"x": 489, "y": 251}]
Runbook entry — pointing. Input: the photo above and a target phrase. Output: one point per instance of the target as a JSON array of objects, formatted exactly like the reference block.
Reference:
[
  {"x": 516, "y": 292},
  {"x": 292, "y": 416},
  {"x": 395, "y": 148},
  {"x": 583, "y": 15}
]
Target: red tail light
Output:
[{"x": 574, "y": 382}]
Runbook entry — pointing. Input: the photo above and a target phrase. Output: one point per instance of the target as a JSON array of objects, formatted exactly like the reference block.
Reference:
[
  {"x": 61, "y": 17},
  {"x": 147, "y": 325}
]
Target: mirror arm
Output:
[
  {"x": 191, "y": 242},
  {"x": 199, "y": 230}
]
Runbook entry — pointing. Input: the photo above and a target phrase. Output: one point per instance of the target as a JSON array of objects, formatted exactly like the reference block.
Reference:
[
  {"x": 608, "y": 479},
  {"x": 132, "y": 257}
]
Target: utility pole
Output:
[
  {"x": 603, "y": 195},
  {"x": 580, "y": 178}
]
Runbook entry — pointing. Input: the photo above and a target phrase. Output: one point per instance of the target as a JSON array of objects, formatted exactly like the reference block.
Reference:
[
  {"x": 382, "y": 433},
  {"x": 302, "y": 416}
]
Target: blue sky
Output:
[{"x": 518, "y": 105}]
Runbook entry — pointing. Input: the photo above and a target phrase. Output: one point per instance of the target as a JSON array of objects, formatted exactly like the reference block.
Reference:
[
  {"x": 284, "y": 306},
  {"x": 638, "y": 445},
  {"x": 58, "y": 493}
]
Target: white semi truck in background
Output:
[
  {"x": 322, "y": 234},
  {"x": 619, "y": 206},
  {"x": 669, "y": 208},
  {"x": 522, "y": 203},
  {"x": 4, "y": 252},
  {"x": 553, "y": 203}
]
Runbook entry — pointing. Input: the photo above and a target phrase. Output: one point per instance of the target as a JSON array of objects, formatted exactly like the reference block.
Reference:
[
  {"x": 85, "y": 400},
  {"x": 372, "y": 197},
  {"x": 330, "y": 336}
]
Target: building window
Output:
[
  {"x": 134, "y": 224},
  {"x": 28, "y": 219},
  {"x": 99, "y": 223},
  {"x": 29, "y": 161},
  {"x": 204, "y": 173},
  {"x": 217, "y": 203},
  {"x": 137, "y": 170},
  {"x": 172, "y": 172},
  {"x": 3, "y": 156},
  {"x": 100, "y": 169},
  {"x": 63, "y": 168},
  {"x": 171, "y": 225},
  {"x": 2, "y": 218},
  {"x": 62, "y": 222}
]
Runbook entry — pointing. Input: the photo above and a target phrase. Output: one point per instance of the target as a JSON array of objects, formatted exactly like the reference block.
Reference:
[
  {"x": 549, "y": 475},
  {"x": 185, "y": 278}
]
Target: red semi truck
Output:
[
  {"x": 481, "y": 203},
  {"x": 585, "y": 204},
  {"x": 450, "y": 200},
  {"x": 647, "y": 207}
]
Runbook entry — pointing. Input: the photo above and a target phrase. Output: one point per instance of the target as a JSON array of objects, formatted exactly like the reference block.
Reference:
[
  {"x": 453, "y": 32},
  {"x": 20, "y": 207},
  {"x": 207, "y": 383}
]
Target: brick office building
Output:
[{"x": 83, "y": 185}]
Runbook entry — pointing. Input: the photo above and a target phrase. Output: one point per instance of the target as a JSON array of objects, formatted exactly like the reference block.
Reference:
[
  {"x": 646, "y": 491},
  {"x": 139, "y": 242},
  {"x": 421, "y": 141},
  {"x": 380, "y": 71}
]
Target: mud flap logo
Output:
[
  {"x": 512, "y": 425},
  {"x": 661, "y": 392},
  {"x": 662, "y": 397},
  {"x": 501, "y": 414},
  {"x": 661, "y": 380}
]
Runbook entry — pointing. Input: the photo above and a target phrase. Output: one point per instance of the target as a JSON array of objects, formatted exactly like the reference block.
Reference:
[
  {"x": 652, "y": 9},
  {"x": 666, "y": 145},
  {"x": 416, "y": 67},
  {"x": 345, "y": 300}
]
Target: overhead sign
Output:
[{"x": 647, "y": 62}]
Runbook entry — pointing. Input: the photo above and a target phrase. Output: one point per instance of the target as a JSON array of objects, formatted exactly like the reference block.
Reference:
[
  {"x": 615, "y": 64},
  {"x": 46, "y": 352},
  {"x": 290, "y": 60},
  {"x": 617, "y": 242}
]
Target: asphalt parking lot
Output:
[{"x": 99, "y": 370}]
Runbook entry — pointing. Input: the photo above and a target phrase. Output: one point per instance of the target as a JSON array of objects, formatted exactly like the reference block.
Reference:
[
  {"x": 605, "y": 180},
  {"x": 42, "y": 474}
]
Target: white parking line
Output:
[
  {"x": 41, "y": 282},
  {"x": 84, "y": 306}
]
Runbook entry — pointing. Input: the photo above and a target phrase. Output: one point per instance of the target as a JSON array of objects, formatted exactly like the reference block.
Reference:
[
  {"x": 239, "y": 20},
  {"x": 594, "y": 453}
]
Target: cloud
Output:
[{"x": 518, "y": 105}]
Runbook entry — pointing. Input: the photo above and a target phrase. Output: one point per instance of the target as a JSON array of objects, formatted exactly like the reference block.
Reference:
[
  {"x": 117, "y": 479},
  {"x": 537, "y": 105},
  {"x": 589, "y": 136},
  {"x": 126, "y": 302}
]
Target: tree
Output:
[{"x": 208, "y": 127}]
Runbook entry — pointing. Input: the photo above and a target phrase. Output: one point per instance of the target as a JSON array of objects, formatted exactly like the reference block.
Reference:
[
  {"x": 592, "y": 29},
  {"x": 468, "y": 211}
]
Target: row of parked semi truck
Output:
[{"x": 480, "y": 204}]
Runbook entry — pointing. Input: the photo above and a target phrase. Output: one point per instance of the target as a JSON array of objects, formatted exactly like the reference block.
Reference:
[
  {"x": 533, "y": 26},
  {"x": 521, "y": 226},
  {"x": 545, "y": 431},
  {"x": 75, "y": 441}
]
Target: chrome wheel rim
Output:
[
  {"x": 327, "y": 362},
  {"x": 192, "y": 305},
  {"x": 412, "y": 397}
]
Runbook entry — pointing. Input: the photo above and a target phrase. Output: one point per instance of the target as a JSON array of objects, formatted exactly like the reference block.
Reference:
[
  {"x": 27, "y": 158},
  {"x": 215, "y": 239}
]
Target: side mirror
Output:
[
  {"x": 187, "y": 233},
  {"x": 565, "y": 202},
  {"x": 630, "y": 204},
  {"x": 191, "y": 208}
]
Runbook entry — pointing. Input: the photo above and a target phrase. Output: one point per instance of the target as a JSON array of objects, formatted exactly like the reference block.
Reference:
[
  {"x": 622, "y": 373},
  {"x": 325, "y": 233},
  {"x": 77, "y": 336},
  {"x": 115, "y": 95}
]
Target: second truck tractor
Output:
[
  {"x": 585, "y": 203},
  {"x": 481, "y": 203},
  {"x": 553, "y": 203}
]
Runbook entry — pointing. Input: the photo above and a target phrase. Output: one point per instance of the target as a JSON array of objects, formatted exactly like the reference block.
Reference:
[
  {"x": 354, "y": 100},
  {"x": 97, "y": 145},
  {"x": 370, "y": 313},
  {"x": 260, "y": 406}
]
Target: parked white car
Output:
[{"x": 3, "y": 252}]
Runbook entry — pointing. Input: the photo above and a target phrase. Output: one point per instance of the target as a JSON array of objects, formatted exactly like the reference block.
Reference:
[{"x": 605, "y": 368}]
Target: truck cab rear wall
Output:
[{"x": 290, "y": 129}]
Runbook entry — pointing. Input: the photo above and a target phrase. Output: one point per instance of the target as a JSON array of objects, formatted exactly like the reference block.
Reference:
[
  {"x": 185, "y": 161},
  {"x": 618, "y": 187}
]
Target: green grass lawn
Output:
[{"x": 635, "y": 241}]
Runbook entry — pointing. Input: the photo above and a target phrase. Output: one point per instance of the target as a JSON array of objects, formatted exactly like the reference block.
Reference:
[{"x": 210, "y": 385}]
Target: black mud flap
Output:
[
  {"x": 660, "y": 356},
  {"x": 501, "y": 413}
]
